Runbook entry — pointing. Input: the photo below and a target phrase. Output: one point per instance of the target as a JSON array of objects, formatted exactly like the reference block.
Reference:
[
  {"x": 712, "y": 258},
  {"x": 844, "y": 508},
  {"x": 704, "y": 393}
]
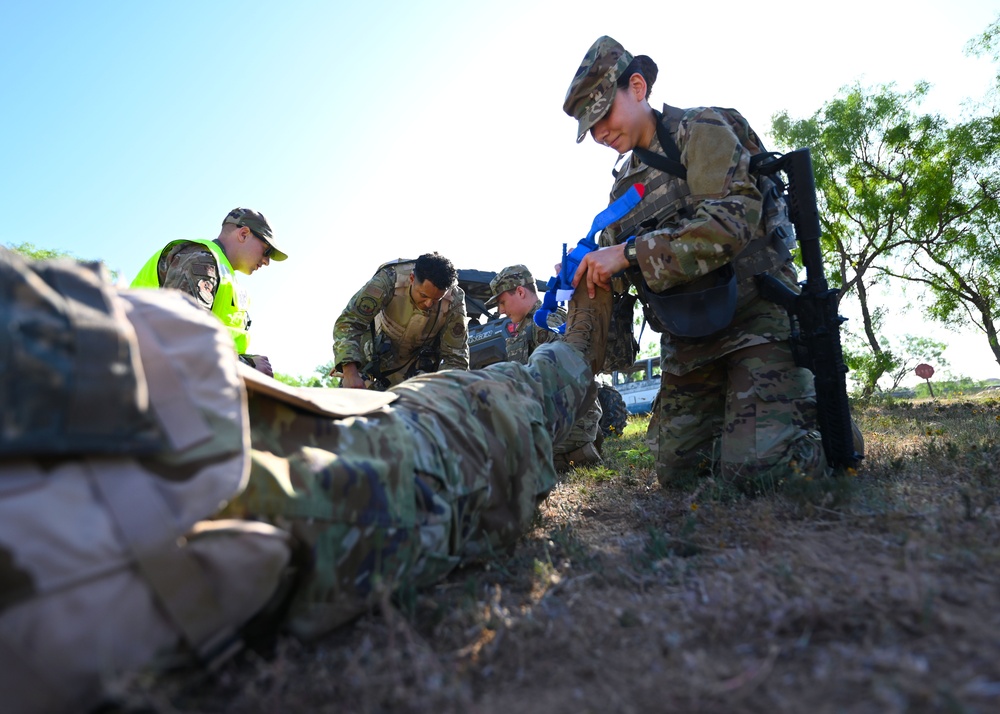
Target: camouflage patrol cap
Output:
[
  {"x": 508, "y": 279},
  {"x": 592, "y": 90},
  {"x": 256, "y": 222}
]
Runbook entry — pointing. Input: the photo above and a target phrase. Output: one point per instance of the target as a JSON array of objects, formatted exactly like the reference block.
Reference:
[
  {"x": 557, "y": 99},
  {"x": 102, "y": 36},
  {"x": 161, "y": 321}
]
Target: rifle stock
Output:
[{"x": 815, "y": 334}]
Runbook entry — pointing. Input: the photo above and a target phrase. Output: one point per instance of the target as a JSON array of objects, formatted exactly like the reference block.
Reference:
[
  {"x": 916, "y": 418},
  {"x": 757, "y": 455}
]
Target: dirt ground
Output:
[{"x": 629, "y": 598}]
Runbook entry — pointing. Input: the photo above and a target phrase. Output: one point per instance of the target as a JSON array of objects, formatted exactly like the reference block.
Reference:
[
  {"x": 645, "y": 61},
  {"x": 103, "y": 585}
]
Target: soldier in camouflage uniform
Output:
[
  {"x": 731, "y": 400},
  {"x": 407, "y": 320},
  {"x": 515, "y": 295},
  {"x": 378, "y": 490},
  {"x": 448, "y": 473},
  {"x": 205, "y": 270}
]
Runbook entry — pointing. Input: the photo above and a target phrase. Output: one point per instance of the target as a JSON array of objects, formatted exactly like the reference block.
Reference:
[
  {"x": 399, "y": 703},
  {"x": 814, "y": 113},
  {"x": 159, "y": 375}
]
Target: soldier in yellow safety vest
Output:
[{"x": 206, "y": 270}]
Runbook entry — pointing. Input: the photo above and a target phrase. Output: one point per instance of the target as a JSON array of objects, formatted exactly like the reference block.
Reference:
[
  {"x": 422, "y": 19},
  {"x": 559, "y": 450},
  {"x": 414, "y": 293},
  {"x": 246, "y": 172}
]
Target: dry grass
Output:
[{"x": 627, "y": 598}]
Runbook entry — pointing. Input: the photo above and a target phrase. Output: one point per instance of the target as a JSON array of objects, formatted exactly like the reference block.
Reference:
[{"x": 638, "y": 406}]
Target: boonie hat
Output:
[
  {"x": 508, "y": 279},
  {"x": 592, "y": 90},
  {"x": 256, "y": 222}
]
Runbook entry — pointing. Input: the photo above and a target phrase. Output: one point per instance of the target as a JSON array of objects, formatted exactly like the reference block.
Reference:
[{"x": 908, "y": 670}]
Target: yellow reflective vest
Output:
[{"x": 231, "y": 301}]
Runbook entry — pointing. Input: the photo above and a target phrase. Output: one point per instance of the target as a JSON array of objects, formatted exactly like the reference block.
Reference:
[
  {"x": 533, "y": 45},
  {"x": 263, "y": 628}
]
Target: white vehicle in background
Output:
[{"x": 638, "y": 385}]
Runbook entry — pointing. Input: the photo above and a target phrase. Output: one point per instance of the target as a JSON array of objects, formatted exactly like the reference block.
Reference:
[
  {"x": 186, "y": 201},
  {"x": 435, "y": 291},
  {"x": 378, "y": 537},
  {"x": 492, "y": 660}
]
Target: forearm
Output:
[
  {"x": 347, "y": 341},
  {"x": 356, "y": 319},
  {"x": 455, "y": 349}
]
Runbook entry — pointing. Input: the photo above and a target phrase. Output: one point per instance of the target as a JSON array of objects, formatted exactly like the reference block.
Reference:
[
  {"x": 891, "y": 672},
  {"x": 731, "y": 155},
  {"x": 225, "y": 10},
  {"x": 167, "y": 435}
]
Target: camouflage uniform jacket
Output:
[
  {"x": 528, "y": 336},
  {"x": 192, "y": 269},
  {"x": 384, "y": 300},
  {"x": 694, "y": 226}
]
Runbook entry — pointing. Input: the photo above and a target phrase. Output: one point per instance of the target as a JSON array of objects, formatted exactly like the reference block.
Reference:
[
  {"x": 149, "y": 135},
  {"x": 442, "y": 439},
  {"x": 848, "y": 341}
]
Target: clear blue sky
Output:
[{"x": 372, "y": 131}]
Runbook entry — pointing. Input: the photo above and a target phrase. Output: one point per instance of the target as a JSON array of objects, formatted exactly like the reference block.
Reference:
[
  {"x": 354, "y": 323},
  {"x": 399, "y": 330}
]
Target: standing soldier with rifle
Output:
[{"x": 733, "y": 399}]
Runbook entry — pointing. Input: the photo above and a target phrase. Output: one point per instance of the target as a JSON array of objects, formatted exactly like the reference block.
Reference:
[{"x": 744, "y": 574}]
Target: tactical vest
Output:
[
  {"x": 231, "y": 301},
  {"x": 707, "y": 304},
  {"x": 407, "y": 327}
]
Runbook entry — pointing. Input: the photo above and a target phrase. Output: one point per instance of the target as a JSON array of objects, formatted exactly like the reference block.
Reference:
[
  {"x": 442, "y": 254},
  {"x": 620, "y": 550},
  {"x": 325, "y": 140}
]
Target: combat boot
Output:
[
  {"x": 587, "y": 322},
  {"x": 586, "y": 455}
]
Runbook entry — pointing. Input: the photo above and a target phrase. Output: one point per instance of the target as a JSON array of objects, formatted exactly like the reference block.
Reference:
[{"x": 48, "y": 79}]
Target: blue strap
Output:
[{"x": 560, "y": 289}]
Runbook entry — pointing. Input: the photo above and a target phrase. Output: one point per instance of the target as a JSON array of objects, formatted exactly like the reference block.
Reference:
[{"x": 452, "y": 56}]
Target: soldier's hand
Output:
[
  {"x": 263, "y": 364},
  {"x": 597, "y": 267},
  {"x": 352, "y": 378}
]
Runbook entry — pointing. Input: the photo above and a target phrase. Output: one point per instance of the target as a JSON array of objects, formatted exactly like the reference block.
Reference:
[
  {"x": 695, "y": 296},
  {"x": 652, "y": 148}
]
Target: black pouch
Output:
[
  {"x": 697, "y": 309},
  {"x": 622, "y": 347}
]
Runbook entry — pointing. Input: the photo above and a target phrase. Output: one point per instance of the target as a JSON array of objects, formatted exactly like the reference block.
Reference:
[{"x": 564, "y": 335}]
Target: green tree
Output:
[
  {"x": 29, "y": 250},
  {"x": 959, "y": 261},
  {"x": 916, "y": 350},
  {"x": 32, "y": 251},
  {"x": 895, "y": 186}
]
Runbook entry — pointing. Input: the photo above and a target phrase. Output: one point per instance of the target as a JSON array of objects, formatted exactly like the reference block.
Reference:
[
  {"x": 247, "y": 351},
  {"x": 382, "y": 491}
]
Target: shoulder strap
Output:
[{"x": 670, "y": 162}]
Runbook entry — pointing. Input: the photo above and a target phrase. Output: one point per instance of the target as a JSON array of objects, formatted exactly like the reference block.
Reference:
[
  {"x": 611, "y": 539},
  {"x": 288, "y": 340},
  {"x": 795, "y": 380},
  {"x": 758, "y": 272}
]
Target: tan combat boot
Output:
[
  {"x": 587, "y": 322},
  {"x": 586, "y": 455}
]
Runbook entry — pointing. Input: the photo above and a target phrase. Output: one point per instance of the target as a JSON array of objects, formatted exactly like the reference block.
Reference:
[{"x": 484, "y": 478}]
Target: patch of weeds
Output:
[
  {"x": 798, "y": 487},
  {"x": 545, "y": 572},
  {"x": 640, "y": 457},
  {"x": 661, "y": 545},
  {"x": 564, "y": 544},
  {"x": 600, "y": 474}
]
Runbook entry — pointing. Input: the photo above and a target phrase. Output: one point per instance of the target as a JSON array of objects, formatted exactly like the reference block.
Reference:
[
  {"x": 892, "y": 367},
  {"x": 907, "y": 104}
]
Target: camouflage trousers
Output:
[
  {"x": 749, "y": 414},
  {"x": 584, "y": 431},
  {"x": 449, "y": 473}
]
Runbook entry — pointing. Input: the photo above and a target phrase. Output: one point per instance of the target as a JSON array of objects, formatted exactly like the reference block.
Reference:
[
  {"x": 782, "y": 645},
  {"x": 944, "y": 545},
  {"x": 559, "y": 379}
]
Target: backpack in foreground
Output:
[{"x": 124, "y": 428}]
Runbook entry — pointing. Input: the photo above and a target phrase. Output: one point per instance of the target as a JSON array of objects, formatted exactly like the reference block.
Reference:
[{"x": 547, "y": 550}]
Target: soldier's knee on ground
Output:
[
  {"x": 684, "y": 471},
  {"x": 803, "y": 460}
]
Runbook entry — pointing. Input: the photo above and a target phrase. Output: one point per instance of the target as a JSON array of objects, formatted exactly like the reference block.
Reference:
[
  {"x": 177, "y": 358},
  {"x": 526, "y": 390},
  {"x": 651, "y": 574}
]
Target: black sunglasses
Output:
[{"x": 270, "y": 248}]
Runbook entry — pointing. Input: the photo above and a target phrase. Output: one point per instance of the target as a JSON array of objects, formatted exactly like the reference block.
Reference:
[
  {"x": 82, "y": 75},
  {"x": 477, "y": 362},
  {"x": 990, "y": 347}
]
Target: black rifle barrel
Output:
[{"x": 815, "y": 334}]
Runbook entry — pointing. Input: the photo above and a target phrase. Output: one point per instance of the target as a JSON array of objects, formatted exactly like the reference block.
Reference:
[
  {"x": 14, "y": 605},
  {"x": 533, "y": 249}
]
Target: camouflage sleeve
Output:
[
  {"x": 350, "y": 327},
  {"x": 190, "y": 268},
  {"x": 455, "y": 334},
  {"x": 727, "y": 206}
]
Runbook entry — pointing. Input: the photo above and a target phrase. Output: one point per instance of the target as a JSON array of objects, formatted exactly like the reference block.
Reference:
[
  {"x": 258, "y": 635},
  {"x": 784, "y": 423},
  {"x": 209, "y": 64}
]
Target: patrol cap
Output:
[
  {"x": 258, "y": 224},
  {"x": 508, "y": 279},
  {"x": 592, "y": 90}
]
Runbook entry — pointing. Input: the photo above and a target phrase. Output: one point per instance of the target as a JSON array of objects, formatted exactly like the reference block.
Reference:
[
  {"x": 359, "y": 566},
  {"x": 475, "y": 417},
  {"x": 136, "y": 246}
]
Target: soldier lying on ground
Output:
[
  {"x": 515, "y": 296},
  {"x": 125, "y": 538}
]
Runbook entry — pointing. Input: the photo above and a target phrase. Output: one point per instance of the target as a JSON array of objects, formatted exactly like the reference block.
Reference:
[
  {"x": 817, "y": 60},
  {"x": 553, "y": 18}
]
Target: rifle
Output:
[
  {"x": 560, "y": 287},
  {"x": 815, "y": 333}
]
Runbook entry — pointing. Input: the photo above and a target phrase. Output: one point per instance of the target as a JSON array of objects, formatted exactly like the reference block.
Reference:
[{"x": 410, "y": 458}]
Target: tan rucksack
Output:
[{"x": 106, "y": 559}]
